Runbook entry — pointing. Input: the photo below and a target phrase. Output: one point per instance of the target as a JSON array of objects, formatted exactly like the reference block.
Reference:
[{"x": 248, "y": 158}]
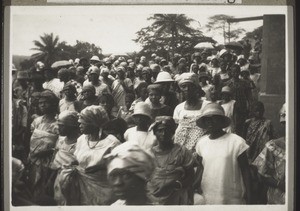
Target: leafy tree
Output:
[
  {"x": 169, "y": 33},
  {"x": 86, "y": 49},
  {"x": 218, "y": 24},
  {"x": 49, "y": 49}
]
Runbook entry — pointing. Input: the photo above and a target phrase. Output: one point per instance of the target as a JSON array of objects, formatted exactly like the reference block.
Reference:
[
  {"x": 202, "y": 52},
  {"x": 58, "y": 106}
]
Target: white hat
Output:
[
  {"x": 223, "y": 51},
  {"x": 95, "y": 58},
  {"x": 142, "y": 108},
  {"x": 77, "y": 61},
  {"x": 163, "y": 77}
]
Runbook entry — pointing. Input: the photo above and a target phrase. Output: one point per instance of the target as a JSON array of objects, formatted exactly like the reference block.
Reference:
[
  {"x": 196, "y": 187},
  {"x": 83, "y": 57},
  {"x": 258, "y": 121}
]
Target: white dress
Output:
[
  {"x": 222, "y": 181},
  {"x": 228, "y": 108},
  {"x": 145, "y": 140}
]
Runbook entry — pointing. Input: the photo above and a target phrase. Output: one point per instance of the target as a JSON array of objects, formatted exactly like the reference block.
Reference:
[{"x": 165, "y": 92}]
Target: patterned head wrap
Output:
[
  {"x": 93, "y": 115},
  {"x": 68, "y": 118},
  {"x": 133, "y": 158}
]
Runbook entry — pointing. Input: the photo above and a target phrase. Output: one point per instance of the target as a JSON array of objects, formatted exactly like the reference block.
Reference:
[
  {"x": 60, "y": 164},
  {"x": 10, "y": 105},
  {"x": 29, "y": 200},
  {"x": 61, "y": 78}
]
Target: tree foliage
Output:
[
  {"x": 218, "y": 24},
  {"x": 169, "y": 33},
  {"x": 50, "y": 49}
]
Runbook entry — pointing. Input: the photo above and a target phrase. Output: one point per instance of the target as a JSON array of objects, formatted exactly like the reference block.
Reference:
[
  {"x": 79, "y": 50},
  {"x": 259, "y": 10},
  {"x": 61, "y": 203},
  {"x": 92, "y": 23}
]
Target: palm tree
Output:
[
  {"x": 49, "y": 49},
  {"x": 174, "y": 24}
]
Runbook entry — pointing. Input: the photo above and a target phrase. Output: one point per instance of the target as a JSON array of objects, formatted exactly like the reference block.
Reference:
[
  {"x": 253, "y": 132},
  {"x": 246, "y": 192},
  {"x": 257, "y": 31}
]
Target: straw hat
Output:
[
  {"x": 95, "y": 58},
  {"x": 226, "y": 89},
  {"x": 213, "y": 109},
  {"x": 164, "y": 77},
  {"x": 142, "y": 108}
]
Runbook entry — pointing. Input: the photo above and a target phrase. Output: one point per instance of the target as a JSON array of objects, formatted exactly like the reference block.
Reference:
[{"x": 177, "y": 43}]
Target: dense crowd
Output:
[{"x": 145, "y": 132}]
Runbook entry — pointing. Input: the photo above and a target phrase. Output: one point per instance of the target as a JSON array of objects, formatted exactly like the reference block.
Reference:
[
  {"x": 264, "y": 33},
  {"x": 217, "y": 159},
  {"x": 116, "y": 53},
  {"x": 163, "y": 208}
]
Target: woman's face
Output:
[
  {"x": 143, "y": 93},
  {"x": 86, "y": 128},
  {"x": 93, "y": 77},
  {"x": 189, "y": 90},
  {"x": 163, "y": 134},
  {"x": 87, "y": 94},
  {"x": 69, "y": 93},
  {"x": 124, "y": 183},
  {"x": 154, "y": 96},
  {"x": 258, "y": 112},
  {"x": 45, "y": 106}
]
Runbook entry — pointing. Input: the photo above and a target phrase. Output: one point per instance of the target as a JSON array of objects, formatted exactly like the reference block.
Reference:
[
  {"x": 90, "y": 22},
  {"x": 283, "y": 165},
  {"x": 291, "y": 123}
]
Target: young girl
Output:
[
  {"x": 226, "y": 175},
  {"x": 140, "y": 134},
  {"x": 157, "y": 108}
]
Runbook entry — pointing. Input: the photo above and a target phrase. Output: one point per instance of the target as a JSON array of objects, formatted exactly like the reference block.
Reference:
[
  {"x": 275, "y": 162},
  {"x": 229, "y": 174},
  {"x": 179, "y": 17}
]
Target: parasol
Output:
[
  {"x": 204, "y": 45},
  {"x": 62, "y": 63},
  {"x": 234, "y": 46}
]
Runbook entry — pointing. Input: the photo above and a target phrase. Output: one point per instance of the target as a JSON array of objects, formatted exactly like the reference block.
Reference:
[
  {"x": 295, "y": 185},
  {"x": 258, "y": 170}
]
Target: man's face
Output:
[
  {"x": 154, "y": 96},
  {"x": 44, "y": 105}
]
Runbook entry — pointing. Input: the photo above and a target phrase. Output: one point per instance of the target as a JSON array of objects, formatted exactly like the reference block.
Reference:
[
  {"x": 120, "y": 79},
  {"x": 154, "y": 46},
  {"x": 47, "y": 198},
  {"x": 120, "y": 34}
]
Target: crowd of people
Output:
[{"x": 146, "y": 131}]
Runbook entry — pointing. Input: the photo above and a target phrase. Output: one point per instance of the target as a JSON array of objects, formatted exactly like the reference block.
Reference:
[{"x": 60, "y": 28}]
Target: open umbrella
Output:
[
  {"x": 204, "y": 45},
  {"x": 62, "y": 63},
  {"x": 234, "y": 46}
]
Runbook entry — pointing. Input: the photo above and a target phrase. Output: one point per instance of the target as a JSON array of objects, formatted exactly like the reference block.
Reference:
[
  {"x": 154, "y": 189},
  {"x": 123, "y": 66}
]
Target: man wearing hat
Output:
[
  {"x": 139, "y": 134},
  {"x": 93, "y": 79},
  {"x": 226, "y": 171},
  {"x": 94, "y": 60}
]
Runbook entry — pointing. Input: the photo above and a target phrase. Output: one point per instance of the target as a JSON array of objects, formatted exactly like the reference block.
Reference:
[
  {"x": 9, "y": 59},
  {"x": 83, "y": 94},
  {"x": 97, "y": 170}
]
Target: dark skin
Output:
[
  {"x": 94, "y": 79},
  {"x": 215, "y": 131},
  {"x": 128, "y": 186},
  {"x": 71, "y": 132},
  {"x": 154, "y": 97},
  {"x": 142, "y": 122},
  {"x": 190, "y": 93},
  {"x": 164, "y": 136},
  {"x": 121, "y": 76}
]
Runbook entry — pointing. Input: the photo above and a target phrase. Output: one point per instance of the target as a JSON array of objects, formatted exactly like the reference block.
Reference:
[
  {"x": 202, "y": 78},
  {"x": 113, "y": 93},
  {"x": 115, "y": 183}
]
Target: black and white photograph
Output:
[{"x": 146, "y": 105}]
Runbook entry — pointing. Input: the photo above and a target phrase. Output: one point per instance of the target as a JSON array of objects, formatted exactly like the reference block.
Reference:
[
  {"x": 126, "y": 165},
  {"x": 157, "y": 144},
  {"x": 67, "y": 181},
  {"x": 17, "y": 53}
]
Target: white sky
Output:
[{"x": 112, "y": 27}]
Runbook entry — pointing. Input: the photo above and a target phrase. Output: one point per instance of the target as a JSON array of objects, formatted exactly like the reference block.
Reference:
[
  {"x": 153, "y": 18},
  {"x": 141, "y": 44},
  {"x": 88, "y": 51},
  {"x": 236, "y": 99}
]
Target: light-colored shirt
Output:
[{"x": 55, "y": 85}]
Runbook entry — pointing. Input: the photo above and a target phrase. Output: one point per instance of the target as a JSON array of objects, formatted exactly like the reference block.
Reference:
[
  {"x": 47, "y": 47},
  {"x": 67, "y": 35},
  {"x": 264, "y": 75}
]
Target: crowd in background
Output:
[{"x": 148, "y": 131}]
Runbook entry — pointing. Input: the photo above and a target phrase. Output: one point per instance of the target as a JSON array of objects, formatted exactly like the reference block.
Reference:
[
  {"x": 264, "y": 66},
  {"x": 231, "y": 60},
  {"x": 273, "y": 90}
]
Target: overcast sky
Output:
[{"x": 112, "y": 27}]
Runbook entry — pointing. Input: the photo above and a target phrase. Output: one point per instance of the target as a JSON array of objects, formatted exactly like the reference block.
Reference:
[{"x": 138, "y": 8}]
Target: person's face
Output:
[
  {"x": 69, "y": 93},
  {"x": 225, "y": 97},
  {"x": 121, "y": 74},
  {"x": 87, "y": 94},
  {"x": 258, "y": 112},
  {"x": 244, "y": 75},
  {"x": 195, "y": 68},
  {"x": 163, "y": 134},
  {"x": 165, "y": 87},
  {"x": 138, "y": 73},
  {"x": 203, "y": 80},
  {"x": 105, "y": 75},
  {"x": 86, "y": 128},
  {"x": 146, "y": 76},
  {"x": 64, "y": 130},
  {"x": 214, "y": 62},
  {"x": 197, "y": 59},
  {"x": 189, "y": 90},
  {"x": 128, "y": 102},
  {"x": 141, "y": 119},
  {"x": 154, "y": 96},
  {"x": 143, "y": 93},
  {"x": 213, "y": 124},
  {"x": 124, "y": 183},
  {"x": 93, "y": 77},
  {"x": 44, "y": 106}
]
